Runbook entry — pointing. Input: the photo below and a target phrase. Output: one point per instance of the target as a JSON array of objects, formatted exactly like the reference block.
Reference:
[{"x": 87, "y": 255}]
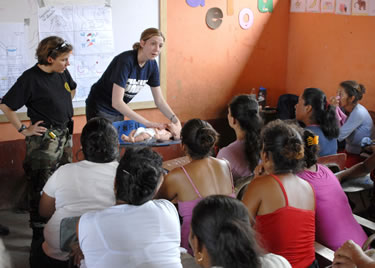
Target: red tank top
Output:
[{"x": 289, "y": 232}]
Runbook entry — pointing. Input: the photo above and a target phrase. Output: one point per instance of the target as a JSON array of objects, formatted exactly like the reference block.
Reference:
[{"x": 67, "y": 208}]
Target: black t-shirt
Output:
[{"x": 46, "y": 95}]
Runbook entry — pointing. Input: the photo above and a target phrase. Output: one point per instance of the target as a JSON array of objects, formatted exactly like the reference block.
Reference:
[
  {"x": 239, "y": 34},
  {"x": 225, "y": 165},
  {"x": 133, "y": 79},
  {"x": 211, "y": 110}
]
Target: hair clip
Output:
[
  {"x": 126, "y": 172},
  {"x": 312, "y": 140}
]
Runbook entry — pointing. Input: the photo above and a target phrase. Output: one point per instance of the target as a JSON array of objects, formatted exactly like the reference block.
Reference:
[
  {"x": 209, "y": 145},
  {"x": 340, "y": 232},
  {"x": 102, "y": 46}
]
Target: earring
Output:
[{"x": 199, "y": 259}]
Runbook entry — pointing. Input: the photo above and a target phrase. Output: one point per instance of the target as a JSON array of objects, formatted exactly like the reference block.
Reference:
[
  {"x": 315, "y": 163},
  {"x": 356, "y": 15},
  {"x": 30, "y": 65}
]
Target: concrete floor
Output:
[{"x": 17, "y": 243}]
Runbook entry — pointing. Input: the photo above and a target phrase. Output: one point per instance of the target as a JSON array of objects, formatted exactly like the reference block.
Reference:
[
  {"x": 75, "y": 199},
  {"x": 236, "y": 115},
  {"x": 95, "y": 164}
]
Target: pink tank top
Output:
[{"x": 185, "y": 209}]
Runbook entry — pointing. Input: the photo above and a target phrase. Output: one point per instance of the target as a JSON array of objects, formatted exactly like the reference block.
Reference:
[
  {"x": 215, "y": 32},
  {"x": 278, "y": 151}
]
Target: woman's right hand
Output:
[
  {"x": 34, "y": 130},
  {"x": 334, "y": 101}
]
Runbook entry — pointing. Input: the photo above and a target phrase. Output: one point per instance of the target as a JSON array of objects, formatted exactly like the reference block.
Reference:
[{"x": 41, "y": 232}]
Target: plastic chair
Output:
[{"x": 334, "y": 161}]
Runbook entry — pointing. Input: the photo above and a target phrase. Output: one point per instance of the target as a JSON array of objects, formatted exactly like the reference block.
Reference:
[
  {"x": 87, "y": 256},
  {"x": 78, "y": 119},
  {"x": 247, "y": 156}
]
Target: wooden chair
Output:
[
  {"x": 358, "y": 185},
  {"x": 334, "y": 161}
]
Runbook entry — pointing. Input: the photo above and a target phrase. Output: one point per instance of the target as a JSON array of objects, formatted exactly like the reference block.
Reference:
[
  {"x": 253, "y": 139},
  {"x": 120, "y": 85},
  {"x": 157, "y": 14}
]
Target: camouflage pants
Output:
[{"x": 43, "y": 156}]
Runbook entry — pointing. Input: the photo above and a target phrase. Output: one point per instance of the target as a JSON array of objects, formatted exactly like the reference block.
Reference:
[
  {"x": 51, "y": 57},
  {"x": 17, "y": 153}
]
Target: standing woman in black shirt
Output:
[{"x": 46, "y": 89}]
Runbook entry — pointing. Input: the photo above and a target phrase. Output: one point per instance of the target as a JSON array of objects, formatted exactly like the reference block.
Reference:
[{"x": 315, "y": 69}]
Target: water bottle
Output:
[
  {"x": 253, "y": 93},
  {"x": 262, "y": 95}
]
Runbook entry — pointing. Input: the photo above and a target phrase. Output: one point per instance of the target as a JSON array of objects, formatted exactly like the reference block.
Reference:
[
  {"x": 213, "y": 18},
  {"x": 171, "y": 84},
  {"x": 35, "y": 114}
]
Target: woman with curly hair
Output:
[{"x": 283, "y": 204}]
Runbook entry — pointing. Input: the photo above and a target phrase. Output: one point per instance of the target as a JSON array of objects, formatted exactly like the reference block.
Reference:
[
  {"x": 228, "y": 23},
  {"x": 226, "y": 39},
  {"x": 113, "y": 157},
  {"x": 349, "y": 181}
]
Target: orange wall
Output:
[
  {"x": 325, "y": 49},
  {"x": 205, "y": 67}
]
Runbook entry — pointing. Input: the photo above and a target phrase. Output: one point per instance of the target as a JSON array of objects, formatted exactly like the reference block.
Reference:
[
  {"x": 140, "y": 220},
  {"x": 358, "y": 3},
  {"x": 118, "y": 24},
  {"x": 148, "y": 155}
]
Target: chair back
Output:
[{"x": 330, "y": 161}]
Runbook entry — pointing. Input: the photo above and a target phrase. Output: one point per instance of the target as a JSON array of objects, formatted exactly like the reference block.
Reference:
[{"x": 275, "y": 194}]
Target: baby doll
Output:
[{"x": 145, "y": 134}]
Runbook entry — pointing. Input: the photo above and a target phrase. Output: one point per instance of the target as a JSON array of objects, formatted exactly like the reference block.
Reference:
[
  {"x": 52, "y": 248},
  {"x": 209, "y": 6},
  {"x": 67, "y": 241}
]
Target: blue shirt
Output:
[
  {"x": 357, "y": 126},
  {"x": 327, "y": 146},
  {"x": 124, "y": 71}
]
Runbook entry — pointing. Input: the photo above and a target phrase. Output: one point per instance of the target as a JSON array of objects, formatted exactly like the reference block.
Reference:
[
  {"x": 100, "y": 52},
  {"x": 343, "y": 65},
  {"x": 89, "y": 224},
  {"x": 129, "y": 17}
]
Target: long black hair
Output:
[
  {"x": 245, "y": 110},
  {"x": 222, "y": 225},
  {"x": 323, "y": 113}
]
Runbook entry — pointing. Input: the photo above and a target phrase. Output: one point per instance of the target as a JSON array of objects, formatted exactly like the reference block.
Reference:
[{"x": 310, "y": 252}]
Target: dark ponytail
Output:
[
  {"x": 323, "y": 114},
  {"x": 244, "y": 109},
  {"x": 221, "y": 224},
  {"x": 311, "y": 147}
]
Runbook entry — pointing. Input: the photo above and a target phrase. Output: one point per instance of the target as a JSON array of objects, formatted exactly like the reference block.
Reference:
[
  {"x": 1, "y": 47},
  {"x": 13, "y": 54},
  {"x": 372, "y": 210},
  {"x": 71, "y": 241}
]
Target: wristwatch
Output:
[{"x": 22, "y": 128}]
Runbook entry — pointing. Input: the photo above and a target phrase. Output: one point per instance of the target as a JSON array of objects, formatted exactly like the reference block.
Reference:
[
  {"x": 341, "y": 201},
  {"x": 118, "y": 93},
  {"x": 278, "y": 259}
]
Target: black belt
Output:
[{"x": 54, "y": 126}]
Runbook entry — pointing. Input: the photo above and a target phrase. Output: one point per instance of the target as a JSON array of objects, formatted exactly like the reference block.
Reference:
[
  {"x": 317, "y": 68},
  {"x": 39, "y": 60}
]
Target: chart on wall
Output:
[
  {"x": 89, "y": 30},
  {"x": 12, "y": 54},
  {"x": 340, "y": 7},
  {"x": 97, "y": 29}
]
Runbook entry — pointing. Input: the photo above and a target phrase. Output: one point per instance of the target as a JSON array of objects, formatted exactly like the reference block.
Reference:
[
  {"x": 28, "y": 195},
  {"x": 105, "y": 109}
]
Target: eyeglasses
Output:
[{"x": 60, "y": 46}]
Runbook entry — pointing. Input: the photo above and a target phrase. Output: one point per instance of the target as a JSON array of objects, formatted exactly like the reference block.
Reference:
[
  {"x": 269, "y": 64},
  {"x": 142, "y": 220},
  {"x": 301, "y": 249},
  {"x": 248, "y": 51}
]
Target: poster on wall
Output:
[
  {"x": 89, "y": 30},
  {"x": 298, "y": 6},
  {"x": 313, "y": 5},
  {"x": 371, "y": 10},
  {"x": 12, "y": 54},
  {"x": 360, "y": 7},
  {"x": 327, "y": 6},
  {"x": 343, "y": 7}
]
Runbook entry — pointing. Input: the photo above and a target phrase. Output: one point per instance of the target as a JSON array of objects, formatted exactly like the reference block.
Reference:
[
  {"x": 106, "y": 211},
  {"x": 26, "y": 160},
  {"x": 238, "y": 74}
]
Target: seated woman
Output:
[
  {"x": 243, "y": 154},
  {"x": 145, "y": 134},
  {"x": 221, "y": 236},
  {"x": 282, "y": 203},
  {"x": 333, "y": 226},
  {"x": 358, "y": 124},
  {"x": 203, "y": 176},
  {"x": 317, "y": 115},
  {"x": 137, "y": 231},
  {"x": 80, "y": 187}
]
